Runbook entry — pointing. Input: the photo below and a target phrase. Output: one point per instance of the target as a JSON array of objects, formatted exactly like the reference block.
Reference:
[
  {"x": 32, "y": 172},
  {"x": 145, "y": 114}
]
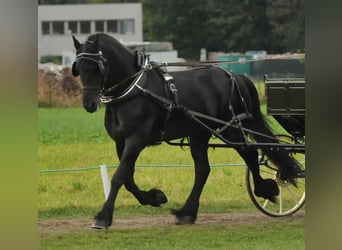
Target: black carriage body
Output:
[{"x": 285, "y": 101}]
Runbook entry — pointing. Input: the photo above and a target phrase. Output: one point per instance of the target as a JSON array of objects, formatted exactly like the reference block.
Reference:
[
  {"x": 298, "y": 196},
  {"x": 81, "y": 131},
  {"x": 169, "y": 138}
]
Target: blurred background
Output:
[{"x": 247, "y": 33}]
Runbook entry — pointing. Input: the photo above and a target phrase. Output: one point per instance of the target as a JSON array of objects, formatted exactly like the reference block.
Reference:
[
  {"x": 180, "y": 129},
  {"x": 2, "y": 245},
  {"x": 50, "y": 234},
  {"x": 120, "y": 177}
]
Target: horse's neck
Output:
[{"x": 122, "y": 67}]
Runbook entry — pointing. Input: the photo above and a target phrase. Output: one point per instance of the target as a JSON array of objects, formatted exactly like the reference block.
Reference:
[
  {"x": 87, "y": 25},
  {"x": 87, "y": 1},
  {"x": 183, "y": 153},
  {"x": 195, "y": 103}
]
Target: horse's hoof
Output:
[
  {"x": 273, "y": 199},
  {"x": 157, "y": 197},
  {"x": 268, "y": 189},
  {"x": 160, "y": 196},
  {"x": 182, "y": 218},
  {"x": 185, "y": 220},
  {"x": 100, "y": 224}
]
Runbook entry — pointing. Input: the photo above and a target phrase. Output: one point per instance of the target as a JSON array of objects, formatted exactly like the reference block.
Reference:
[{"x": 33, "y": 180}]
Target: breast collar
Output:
[{"x": 109, "y": 95}]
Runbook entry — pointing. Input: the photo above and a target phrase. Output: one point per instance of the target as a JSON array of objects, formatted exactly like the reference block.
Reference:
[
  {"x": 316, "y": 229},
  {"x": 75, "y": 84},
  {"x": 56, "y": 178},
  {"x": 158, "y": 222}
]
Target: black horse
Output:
[{"x": 145, "y": 106}]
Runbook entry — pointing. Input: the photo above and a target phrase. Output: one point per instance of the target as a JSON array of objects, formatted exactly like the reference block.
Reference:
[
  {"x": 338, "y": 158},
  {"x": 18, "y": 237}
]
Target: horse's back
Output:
[{"x": 204, "y": 90}]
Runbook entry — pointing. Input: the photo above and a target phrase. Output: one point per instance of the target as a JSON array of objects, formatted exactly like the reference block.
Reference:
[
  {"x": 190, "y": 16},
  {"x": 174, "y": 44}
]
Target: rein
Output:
[
  {"x": 107, "y": 96},
  {"x": 207, "y": 63}
]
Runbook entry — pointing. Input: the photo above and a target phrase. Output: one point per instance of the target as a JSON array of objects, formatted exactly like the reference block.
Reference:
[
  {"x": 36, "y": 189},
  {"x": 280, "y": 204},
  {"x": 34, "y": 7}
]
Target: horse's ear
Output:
[
  {"x": 74, "y": 70},
  {"x": 96, "y": 42},
  {"x": 77, "y": 44}
]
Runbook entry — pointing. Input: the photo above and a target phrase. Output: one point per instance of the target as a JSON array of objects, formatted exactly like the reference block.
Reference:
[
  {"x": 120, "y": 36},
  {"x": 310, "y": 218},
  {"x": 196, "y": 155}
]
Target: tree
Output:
[
  {"x": 233, "y": 25},
  {"x": 85, "y": 1},
  {"x": 217, "y": 25},
  {"x": 180, "y": 22},
  {"x": 62, "y": 1},
  {"x": 238, "y": 26},
  {"x": 287, "y": 19}
]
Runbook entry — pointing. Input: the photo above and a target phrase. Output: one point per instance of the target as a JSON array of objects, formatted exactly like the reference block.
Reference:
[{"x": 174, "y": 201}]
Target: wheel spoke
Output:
[
  {"x": 267, "y": 171},
  {"x": 265, "y": 203},
  {"x": 292, "y": 195}
]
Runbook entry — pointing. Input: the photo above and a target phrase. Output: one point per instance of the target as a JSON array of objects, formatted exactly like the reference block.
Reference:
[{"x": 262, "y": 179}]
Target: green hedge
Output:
[{"x": 51, "y": 59}]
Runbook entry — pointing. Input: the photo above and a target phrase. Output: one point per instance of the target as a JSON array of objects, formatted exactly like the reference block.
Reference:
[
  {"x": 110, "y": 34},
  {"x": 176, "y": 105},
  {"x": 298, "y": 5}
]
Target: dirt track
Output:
[{"x": 233, "y": 219}]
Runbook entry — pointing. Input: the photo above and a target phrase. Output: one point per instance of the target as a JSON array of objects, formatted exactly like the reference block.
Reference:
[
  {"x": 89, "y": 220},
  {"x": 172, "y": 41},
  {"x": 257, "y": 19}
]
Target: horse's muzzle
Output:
[
  {"x": 92, "y": 107},
  {"x": 91, "y": 100}
]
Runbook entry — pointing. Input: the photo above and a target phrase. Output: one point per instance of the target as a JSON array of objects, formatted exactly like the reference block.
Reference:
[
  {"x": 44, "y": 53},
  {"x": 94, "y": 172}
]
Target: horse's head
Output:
[
  {"x": 105, "y": 66},
  {"x": 90, "y": 64}
]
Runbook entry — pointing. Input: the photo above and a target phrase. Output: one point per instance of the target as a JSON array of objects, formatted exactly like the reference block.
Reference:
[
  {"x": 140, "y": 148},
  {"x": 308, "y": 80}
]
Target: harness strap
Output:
[
  {"x": 234, "y": 84},
  {"x": 163, "y": 102},
  {"x": 237, "y": 118},
  {"x": 171, "y": 90},
  {"x": 172, "y": 87},
  {"x": 123, "y": 95},
  {"x": 170, "y": 103}
]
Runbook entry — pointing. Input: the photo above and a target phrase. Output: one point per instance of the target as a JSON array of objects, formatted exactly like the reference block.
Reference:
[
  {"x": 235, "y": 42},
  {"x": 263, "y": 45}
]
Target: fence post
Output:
[{"x": 105, "y": 180}]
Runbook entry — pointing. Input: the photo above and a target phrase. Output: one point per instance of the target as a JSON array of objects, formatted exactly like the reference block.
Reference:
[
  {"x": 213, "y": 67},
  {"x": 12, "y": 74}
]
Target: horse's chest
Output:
[
  {"x": 113, "y": 125},
  {"x": 118, "y": 125}
]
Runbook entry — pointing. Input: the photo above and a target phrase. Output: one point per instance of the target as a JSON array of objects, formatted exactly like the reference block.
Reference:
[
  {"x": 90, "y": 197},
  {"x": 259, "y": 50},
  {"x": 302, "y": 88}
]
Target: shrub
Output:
[
  {"x": 58, "y": 88},
  {"x": 51, "y": 59}
]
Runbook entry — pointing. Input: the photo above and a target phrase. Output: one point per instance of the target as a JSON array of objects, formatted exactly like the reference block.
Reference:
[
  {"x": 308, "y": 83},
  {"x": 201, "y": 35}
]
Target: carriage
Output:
[
  {"x": 285, "y": 101},
  {"x": 147, "y": 105}
]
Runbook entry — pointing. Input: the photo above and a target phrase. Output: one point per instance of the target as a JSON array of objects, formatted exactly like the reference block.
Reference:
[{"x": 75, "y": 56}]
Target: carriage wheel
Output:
[{"x": 290, "y": 198}]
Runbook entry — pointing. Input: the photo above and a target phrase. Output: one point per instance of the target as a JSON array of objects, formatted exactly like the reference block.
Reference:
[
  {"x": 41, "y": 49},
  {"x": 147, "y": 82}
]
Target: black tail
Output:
[{"x": 288, "y": 166}]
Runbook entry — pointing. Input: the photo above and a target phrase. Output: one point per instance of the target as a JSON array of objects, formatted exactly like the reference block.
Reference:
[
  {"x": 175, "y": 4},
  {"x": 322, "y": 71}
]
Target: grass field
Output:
[
  {"x": 70, "y": 138},
  {"x": 80, "y": 193},
  {"x": 264, "y": 236}
]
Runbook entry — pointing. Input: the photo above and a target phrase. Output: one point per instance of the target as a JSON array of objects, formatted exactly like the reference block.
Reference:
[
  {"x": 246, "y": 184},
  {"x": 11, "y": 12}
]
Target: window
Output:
[
  {"x": 127, "y": 26},
  {"x": 112, "y": 26},
  {"x": 72, "y": 27},
  {"x": 58, "y": 27},
  {"x": 45, "y": 28},
  {"x": 99, "y": 26},
  {"x": 85, "y": 27},
  {"x": 122, "y": 26}
]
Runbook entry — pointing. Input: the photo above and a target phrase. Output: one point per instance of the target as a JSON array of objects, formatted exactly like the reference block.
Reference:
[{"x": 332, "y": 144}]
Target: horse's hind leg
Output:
[
  {"x": 266, "y": 188},
  {"x": 188, "y": 213}
]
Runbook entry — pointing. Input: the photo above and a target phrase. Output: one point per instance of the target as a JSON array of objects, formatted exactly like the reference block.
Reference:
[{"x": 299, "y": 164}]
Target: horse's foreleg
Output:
[
  {"x": 154, "y": 197},
  {"x": 120, "y": 146},
  {"x": 188, "y": 213},
  {"x": 130, "y": 153},
  {"x": 266, "y": 188}
]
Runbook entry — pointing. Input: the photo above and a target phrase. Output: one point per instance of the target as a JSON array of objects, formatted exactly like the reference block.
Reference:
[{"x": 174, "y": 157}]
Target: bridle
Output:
[
  {"x": 108, "y": 95},
  {"x": 94, "y": 57}
]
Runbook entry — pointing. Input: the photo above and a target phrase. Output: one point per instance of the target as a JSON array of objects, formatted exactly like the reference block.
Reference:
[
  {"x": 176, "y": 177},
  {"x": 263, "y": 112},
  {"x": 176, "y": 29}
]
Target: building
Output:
[{"x": 57, "y": 23}]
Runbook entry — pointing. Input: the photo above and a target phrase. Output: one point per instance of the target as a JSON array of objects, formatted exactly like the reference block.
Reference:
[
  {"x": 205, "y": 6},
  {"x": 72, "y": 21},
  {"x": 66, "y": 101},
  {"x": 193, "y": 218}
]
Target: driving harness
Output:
[{"x": 170, "y": 101}]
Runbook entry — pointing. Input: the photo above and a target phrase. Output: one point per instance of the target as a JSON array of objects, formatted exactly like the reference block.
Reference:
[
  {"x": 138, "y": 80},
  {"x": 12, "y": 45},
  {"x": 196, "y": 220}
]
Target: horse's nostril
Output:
[
  {"x": 95, "y": 106},
  {"x": 92, "y": 107}
]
